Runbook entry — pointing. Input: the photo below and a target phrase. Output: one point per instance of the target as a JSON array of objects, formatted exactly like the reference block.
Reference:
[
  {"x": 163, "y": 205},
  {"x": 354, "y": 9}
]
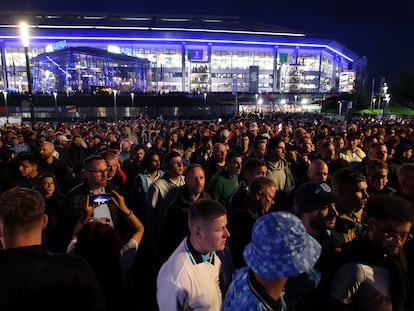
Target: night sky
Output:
[{"x": 382, "y": 32}]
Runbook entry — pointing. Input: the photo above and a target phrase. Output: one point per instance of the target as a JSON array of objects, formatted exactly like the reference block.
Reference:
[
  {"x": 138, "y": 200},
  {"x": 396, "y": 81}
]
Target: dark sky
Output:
[{"x": 383, "y": 32}]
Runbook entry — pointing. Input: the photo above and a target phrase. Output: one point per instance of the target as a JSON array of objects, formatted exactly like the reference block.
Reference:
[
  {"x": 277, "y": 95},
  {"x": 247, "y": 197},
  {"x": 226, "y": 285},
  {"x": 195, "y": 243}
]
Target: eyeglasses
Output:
[
  {"x": 390, "y": 235},
  {"x": 268, "y": 199},
  {"x": 97, "y": 172}
]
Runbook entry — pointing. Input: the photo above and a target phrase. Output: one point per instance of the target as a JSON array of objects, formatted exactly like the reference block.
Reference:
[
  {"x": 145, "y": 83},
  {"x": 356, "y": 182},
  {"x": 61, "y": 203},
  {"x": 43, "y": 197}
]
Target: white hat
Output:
[{"x": 62, "y": 137}]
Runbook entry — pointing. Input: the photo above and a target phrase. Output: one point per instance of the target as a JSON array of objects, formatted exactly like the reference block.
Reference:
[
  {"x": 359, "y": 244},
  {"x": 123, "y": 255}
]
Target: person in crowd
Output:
[
  {"x": 405, "y": 179},
  {"x": 339, "y": 142},
  {"x": 252, "y": 204},
  {"x": 305, "y": 155},
  {"x": 317, "y": 171},
  {"x": 280, "y": 248},
  {"x": 259, "y": 149},
  {"x": 161, "y": 192},
  {"x": 29, "y": 172},
  {"x": 251, "y": 168},
  {"x": 190, "y": 278},
  {"x": 111, "y": 259},
  {"x": 125, "y": 150},
  {"x": 278, "y": 170},
  {"x": 351, "y": 152},
  {"x": 32, "y": 277},
  {"x": 33, "y": 142},
  {"x": 224, "y": 182},
  {"x": 158, "y": 147},
  {"x": 377, "y": 177},
  {"x": 203, "y": 152},
  {"x": 177, "y": 146},
  {"x": 61, "y": 147},
  {"x": 298, "y": 133},
  {"x": 315, "y": 205},
  {"x": 133, "y": 165},
  {"x": 403, "y": 154},
  {"x": 115, "y": 175},
  {"x": 351, "y": 187},
  {"x": 16, "y": 146},
  {"x": 49, "y": 163},
  {"x": 77, "y": 154},
  {"x": 253, "y": 131},
  {"x": 217, "y": 160},
  {"x": 326, "y": 151},
  {"x": 368, "y": 141},
  {"x": 376, "y": 151},
  {"x": 175, "y": 227},
  {"x": 374, "y": 274},
  {"x": 151, "y": 172},
  {"x": 95, "y": 182},
  {"x": 9, "y": 168},
  {"x": 243, "y": 146},
  {"x": 49, "y": 189}
]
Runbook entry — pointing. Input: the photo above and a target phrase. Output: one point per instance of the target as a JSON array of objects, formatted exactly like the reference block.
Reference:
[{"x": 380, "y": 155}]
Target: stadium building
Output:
[{"x": 91, "y": 54}]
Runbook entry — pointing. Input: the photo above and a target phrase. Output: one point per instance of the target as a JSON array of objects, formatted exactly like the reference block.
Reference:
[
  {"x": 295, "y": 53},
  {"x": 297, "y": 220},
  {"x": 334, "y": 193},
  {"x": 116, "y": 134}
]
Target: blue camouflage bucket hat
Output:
[{"x": 281, "y": 247}]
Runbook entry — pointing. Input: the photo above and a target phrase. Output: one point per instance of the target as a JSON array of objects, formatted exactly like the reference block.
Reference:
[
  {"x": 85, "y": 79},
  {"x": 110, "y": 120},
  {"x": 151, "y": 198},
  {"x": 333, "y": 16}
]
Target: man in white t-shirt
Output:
[{"x": 190, "y": 278}]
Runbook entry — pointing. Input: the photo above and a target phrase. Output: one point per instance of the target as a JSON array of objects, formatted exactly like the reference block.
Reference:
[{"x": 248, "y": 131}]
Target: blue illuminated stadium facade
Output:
[{"x": 90, "y": 53}]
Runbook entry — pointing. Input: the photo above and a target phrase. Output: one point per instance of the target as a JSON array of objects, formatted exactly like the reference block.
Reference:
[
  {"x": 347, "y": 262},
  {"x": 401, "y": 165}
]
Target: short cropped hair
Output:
[
  {"x": 232, "y": 154},
  {"x": 108, "y": 155},
  {"x": 273, "y": 143},
  {"x": 205, "y": 210},
  {"x": 88, "y": 160},
  {"x": 405, "y": 171},
  {"x": 29, "y": 157},
  {"x": 260, "y": 183},
  {"x": 347, "y": 176},
  {"x": 169, "y": 156},
  {"x": 383, "y": 207},
  {"x": 21, "y": 208},
  {"x": 252, "y": 163},
  {"x": 191, "y": 167}
]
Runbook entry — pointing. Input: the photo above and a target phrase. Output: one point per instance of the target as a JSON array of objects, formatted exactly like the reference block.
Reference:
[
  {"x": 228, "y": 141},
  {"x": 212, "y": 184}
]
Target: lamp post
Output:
[
  {"x": 387, "y": 99},
  {"x": 25, "y": 40},
  {"x": 115, "y": 109},
  {"x": 7, "y": 108},
  {"x": 132, "y": 99},
  {"x": 257, "y": 97},
  {"x": 374, "y": 99},
  {"x": 56, "y": 109},
  {"x": 205, "y": 101},
  {"x": 260, "y": 101},
  {"x": 387, "y": 102}
]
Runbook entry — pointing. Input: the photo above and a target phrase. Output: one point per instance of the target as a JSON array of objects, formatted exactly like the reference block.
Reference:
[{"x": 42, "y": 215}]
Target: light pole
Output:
[
  {"x": 387, "y": 103},
  {"x": 257, "y": 97},
  {"x": 132, "y": 99},
  {"x": 260, "y": 101},
  {"x": 7, "y": 108},
  {"x": 56, "y": 109},
  {"x": 115, "y": 112},
  {"x": 25, "y": 40},
  {"x": 386, "y": 99},
  {"x": 205, "y": 101}
]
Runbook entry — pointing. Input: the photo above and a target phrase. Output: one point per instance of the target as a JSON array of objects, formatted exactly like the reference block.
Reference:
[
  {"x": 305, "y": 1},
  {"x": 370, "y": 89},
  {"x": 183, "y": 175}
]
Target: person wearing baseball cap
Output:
[
  {"x": 280, "y": 248},
  {"x": 315, "y": 205}
]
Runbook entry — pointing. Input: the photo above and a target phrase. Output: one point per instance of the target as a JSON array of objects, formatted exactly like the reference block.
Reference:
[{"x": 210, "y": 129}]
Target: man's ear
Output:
[{"x": 45, "y": 221}]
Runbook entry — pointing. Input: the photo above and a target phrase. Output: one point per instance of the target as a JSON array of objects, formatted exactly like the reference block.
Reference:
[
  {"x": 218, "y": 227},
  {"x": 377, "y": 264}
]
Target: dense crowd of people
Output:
[{"x": 280, "y": 212}]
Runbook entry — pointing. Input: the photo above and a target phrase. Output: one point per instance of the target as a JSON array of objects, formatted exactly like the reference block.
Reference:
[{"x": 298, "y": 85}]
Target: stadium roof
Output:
[{"x": 164, "y": 27}]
